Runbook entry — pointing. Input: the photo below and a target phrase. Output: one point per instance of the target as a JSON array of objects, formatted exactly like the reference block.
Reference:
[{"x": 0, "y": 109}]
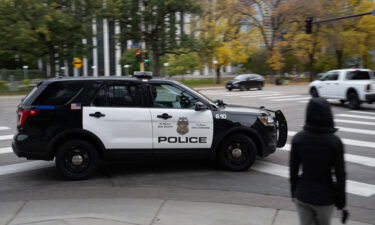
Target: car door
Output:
[
  {"x": 175, "y": 122},
  {"x": 331, "y": 84},
  {"x": 119, "y": 117}
]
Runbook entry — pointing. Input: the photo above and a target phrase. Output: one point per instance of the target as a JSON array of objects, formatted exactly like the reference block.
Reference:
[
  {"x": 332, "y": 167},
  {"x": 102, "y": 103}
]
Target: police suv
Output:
[{"x": 81, "y": 121}]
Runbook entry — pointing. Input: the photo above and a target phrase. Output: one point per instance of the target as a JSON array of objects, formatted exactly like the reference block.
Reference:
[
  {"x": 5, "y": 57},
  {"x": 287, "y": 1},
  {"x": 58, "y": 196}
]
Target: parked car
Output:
[
  {"x": 245, "y": 82},
  {"x": 81, "y": 121},
  {"x": 348, "y": 85}
]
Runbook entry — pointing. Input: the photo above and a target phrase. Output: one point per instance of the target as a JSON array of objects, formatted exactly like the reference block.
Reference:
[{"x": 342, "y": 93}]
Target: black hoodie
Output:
[{"x": 320, "y": 154}]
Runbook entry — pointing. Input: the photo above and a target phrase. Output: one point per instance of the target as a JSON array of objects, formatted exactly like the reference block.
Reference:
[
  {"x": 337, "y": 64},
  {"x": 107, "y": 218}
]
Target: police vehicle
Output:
[{"x": 82, "y": 121}]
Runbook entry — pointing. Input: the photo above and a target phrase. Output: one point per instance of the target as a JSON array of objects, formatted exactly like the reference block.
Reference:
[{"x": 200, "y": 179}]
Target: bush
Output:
[{"x": 3, "y": 85}]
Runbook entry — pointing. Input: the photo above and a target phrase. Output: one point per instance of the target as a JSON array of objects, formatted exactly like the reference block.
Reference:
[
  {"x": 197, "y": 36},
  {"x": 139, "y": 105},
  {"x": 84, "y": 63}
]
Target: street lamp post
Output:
[
  {"x": 126, "y": 69},
  {"x": 25, "y": 72}
]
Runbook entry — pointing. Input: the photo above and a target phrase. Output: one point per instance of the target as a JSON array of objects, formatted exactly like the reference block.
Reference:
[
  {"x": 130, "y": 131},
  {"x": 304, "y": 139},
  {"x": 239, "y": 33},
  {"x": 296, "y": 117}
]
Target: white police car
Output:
[{"x": 80, "y": 121}]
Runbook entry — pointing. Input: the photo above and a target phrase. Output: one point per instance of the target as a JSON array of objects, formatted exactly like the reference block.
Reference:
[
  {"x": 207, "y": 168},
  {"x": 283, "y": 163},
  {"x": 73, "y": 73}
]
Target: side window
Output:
[
  {"x": 331, "y": 76},
  {"x": 58, "y": 93},
  {"x": 358, "y": 75},
  {"x": 167, "y": 96},
  {"x": 119, "y": 95}
]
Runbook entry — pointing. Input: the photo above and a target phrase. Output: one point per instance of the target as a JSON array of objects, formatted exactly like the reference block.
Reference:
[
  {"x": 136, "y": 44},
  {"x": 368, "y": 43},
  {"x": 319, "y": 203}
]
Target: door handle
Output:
[
  {"x": 164, "y": 116},
  {"x": 97, "y": 114}
]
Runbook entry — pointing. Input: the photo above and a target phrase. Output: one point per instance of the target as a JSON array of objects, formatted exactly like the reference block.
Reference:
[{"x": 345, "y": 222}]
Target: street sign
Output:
[
  {"x": 373, "y": 12},
  {"x": 134, "y": 46},
  {"x": 77, "y": 63}
]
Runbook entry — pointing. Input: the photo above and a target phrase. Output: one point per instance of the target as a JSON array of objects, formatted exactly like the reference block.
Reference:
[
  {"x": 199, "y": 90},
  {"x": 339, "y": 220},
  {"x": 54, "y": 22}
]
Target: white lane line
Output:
[
  {"x": 353, "y": 187},
  {"x": 250, "y": 94},
  {"x": 355, "y": 116},
  {"x": 6, "y": 150},
  {"x": 284, "y": 96},
  {"x": 23, "y": 167},
  {"x": 303, "y": 101},
  {"x": 363, "y": 160},
  {"x": 369, "y": 113},
  {"x": 355, "y": 122},
  {"x": 354, "y": 130},
  {"x": 4, "y": 128},
  {"x": 6, "y": 137},
  {"x": 346, "y": 141},
  {"x": 266, "y": 95},
  {"x": 290, "y": 99}
]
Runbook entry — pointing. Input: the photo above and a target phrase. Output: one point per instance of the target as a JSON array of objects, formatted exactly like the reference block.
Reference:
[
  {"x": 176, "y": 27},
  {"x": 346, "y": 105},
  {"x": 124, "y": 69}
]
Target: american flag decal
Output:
[{"x": 75, "y": 106}]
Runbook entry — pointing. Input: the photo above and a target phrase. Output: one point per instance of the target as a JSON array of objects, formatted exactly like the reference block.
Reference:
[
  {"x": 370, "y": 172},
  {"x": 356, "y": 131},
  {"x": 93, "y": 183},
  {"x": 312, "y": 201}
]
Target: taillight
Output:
[
  {"x": 368, "y": 87},
  {"x": 23, "y": 114}
]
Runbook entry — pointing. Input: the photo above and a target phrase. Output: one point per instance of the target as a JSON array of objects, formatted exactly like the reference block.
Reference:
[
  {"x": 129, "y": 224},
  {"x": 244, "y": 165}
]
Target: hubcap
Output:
[
  {"x": 77, "y": 160},
  {"x": 236, "y": 153}
]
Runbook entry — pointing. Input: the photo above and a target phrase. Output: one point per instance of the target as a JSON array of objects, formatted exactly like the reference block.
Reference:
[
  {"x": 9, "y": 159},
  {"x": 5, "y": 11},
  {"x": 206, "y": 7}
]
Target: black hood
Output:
[{"x": 319, "y": 116}]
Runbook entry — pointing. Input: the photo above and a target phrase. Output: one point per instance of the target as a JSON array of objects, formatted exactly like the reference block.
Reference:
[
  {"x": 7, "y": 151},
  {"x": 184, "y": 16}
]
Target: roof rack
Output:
[{"x": 143, "y": 75}]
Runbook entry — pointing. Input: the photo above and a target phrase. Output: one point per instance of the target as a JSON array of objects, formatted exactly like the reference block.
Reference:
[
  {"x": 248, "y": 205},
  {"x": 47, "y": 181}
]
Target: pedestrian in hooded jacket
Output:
[{"x": 319, "y": 154}]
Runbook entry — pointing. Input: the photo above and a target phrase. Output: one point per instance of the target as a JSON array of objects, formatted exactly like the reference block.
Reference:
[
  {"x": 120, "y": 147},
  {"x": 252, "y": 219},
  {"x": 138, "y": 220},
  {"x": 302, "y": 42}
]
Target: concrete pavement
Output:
[{"x": 131, "y": 211}]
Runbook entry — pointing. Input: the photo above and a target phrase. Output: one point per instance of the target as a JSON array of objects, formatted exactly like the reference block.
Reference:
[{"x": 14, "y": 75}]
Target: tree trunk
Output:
[
  {"x": 339, "y": 58},
  {"x": 218, "y": 75},
  {"x": 156, "y": 62}
]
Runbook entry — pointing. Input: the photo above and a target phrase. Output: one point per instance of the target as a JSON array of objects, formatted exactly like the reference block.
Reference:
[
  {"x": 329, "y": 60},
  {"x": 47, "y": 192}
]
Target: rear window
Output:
[
  {"x": 358, "y": 75},
  {"x": 58, "y": 93}
]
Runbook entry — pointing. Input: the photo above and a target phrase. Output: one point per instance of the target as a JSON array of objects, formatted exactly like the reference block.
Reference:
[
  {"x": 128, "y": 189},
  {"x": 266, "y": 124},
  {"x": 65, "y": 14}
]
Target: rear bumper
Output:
[
  {"x": 370, "y": 97},
  {"x": 23, "y": 147}
]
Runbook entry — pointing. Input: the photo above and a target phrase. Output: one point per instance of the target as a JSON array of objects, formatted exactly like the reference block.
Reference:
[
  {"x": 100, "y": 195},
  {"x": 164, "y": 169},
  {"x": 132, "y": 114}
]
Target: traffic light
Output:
[
  {"x": 146, "y": 59},
  {"x": 308, "y": 25},
  {"x": 138, "y": 56}
]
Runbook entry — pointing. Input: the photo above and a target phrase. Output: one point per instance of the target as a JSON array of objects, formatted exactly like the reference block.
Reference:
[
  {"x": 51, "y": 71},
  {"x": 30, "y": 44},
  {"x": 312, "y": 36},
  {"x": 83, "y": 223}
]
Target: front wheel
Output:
[
  {"x": 237, "y": 153},
  {"x": 77, "y": 159},
  {"x": 314, "y": 93}
]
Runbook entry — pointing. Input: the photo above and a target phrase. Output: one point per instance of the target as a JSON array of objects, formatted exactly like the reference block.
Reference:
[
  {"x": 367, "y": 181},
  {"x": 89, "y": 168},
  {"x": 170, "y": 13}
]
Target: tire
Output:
[
  {"x": 229, "y": 89},
  {"x": 242, "y": 88},
  {"x": 342, "y": 102},
  {"x": 247, "y": 89},
  {"x": 226, "y": 155},
  {"x": 314, "y": 93},
  {"x": 260, "y": 87},
  {"x": 353, "y": 100},
  {"x": 84, "y": 152}
]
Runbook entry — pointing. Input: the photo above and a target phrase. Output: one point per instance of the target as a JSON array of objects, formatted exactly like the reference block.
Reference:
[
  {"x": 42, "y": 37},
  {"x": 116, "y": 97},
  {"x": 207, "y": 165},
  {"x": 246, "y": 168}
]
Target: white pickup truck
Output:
[{"x": 348, "y": 85}]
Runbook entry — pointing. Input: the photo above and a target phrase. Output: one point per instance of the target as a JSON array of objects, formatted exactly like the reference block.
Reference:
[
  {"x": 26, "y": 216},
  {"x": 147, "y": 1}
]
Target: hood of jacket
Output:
[{"x": 319, "y": 116}]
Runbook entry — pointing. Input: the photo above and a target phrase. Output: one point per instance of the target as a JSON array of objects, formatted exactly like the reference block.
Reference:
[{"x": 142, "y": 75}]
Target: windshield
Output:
[{"x": 199, "y": 94}]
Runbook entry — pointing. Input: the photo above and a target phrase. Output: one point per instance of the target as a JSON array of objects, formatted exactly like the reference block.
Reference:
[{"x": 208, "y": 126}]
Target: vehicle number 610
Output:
[{"x": 221, "y": 116}]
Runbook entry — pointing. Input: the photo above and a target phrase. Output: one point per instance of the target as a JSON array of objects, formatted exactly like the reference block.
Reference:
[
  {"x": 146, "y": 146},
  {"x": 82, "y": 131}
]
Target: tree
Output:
[
  {"x": 155, "y": 23},
  {"x": 183, "y": 63},
  {"x": 52, "y": 28}
]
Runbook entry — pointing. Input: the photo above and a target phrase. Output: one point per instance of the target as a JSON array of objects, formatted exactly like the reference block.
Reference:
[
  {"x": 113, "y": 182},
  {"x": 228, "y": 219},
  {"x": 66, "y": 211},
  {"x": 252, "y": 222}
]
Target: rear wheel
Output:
[
  {"x": 242, "y": 88},
  {"x": 353, "y": 100},
  {"x": 260, "y": 87},
  {"x": 229, "y": 89},
  {"x": 237, "y": 153},
  {"x": 77, "y": 159}
]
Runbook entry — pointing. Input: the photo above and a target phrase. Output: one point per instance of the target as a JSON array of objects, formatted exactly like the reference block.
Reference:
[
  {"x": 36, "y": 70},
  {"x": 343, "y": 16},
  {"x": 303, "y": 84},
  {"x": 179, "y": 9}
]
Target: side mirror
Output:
[
  {"x": 219, "y": 102},
  {"x": 199, "y": 106}
]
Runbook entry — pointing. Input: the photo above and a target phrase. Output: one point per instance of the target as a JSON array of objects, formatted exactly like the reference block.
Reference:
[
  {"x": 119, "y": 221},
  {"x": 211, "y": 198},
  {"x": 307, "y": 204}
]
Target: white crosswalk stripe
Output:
[
  {"x": 347, "y": 141},
  {"x": 288, "y": 99},
  {"x": 361, "y": 112},
  {"x": 4, "y": 128},
  {"x": 284, "y": 96},
  {"x": 6, "y": 137},
  {"x": 355, "y": 130},
  {"x": 363, "y": 160},
  {"x": 253, "y": 96},
  {"x": 356, "y": 116},
  {"x": 6, "y": 150},
  {"x": 23, "y": 167},
  {"x": 355, "y": 122}
]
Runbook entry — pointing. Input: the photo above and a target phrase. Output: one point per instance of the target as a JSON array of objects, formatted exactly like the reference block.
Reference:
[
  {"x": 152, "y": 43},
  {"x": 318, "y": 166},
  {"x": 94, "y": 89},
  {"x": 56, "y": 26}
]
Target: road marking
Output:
[
  {"x": 250, "y": 94},
  {"x": 303, "y": 101},
  {"x": 354, "y": 130},
  {"x": 284, "y": 96},
  {"x": 289, "y": 99},
  {"x": 265, "y": 95},
  {"x": 363, "y": 160},
  {"x": 355, "y": 116},
  {"x": 370, "y": 113},
  {"x": 346, "y": 141},
  {"x": 355, "y": 122},
  {"x": 353, "y": 187},
  {"x": 4, "y": 128},
  {"x": 23, "y": 167},
  {"x": 6, "y": 150},
  {"x": 6, "y": 137}
]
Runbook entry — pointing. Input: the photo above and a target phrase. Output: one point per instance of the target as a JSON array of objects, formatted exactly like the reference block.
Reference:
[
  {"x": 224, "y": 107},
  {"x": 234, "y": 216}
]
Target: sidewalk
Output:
[{"x": 129, "y": 211}]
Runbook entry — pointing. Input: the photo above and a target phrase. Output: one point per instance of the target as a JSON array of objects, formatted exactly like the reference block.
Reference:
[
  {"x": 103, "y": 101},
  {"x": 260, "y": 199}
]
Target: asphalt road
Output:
[{"x": 265, "y": 184}]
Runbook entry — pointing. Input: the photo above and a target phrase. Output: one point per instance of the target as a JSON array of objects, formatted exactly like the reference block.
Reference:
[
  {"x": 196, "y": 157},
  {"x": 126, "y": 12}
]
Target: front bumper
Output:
[{"x": 370, "y": 97}]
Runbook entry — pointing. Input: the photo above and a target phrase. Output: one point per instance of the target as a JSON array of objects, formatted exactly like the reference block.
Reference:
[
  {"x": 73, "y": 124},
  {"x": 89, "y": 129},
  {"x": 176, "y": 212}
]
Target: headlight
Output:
[{"x": 267, "y": 120}]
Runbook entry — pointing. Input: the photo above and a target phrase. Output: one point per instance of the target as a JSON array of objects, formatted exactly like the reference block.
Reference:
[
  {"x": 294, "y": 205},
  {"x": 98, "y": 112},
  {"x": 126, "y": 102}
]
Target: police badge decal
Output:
[{"x": 182, "y": 125}]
